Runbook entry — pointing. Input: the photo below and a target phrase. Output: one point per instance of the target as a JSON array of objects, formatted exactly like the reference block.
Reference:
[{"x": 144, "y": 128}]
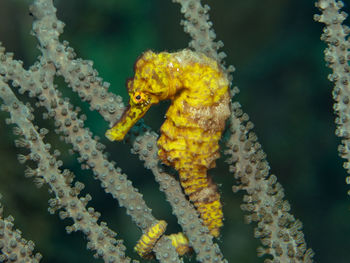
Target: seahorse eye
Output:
[{"x": 138, "y": 97}]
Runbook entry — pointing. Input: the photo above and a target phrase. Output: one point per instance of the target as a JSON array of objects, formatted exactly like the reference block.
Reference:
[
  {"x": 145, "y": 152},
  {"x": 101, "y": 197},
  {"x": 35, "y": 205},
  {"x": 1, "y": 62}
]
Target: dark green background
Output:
[{"x": 275, "y": 47}]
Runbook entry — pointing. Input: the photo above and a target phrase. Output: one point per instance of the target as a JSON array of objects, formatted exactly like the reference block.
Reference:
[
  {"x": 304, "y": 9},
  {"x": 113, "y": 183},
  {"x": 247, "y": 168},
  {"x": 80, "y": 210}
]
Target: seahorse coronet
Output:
[{"x": 195, "y": 120}]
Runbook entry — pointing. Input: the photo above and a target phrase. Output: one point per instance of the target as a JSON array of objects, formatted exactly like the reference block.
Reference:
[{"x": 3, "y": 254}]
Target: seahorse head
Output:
[
  {"x": 153, "y": 81},
  {"x": 154, "y": 76}
]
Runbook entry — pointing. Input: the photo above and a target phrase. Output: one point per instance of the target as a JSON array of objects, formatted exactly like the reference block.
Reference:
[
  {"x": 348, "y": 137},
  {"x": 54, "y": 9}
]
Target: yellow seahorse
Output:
[{"x": 194, "y": 122}]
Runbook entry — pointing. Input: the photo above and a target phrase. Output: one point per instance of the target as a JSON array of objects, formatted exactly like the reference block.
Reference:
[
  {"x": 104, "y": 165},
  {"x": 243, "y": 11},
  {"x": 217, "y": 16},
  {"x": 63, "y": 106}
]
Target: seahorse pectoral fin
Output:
[{"x": 132, "y": 114}]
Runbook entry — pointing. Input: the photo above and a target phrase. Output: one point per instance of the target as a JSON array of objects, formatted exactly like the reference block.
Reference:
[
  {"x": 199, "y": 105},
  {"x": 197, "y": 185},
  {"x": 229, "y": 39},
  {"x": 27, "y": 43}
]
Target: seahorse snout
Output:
[{"x": 131, "y": 115}]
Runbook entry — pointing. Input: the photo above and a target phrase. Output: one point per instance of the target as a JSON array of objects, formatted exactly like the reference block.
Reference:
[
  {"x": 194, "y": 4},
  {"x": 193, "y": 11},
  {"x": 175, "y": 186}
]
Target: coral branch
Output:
[
  {"x": 337, "y": 56},
  {"x": 198, "y": 26},
  {"x": 277, "y": 229},
  {"x": 101, "y": 238},
  {"x": 38, "y": 81},
  {"x": 77, "y": 72},
  {"x": 13, "y": 246}
]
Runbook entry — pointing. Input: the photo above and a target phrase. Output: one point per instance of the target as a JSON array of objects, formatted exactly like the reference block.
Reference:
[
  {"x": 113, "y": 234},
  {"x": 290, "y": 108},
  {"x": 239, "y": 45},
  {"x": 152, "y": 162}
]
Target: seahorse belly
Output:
[
  {"x": 189, "y": 143},
  {"x": 192, "y": 167}
]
